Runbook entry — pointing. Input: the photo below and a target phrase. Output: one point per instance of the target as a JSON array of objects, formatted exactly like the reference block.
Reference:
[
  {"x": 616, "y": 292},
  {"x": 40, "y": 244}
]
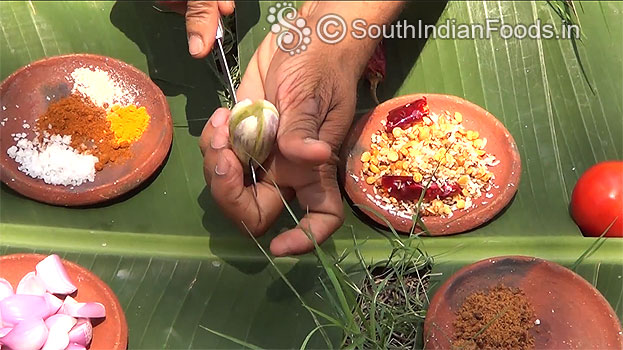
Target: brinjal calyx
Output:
[{"x": 252, "y": 130}]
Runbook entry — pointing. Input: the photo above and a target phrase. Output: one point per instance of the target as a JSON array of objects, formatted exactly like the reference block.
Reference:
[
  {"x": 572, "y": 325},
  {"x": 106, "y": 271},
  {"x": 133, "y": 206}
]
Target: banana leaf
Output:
[{"x": 177, "y": 266}]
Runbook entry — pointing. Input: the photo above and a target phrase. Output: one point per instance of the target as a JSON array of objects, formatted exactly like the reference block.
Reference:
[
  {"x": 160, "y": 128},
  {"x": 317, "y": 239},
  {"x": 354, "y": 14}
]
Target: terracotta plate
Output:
[
  {"x": 26, "y": 94},
  {"x": 112, "y": 332},
  {"x": 572, "y": 313},
  {"x": 499, "y": 142}
]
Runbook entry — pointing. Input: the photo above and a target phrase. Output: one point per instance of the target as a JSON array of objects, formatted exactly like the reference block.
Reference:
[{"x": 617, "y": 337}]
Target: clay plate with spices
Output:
[
  {"x": 109, "y": 334},
  {"x": 28, "y": 93},
  {"x": 494, "y": 139},
  {"x": 571, "y": 313}
]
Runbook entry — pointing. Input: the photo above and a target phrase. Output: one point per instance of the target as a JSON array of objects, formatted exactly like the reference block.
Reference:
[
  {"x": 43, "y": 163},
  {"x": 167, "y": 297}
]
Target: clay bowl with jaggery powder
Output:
[
  {"x": 572, "y": 314},
  {"x": 111, "y": 333},
  {"x": 500, "y": 143},
  {"x": 26, "y": 94}
]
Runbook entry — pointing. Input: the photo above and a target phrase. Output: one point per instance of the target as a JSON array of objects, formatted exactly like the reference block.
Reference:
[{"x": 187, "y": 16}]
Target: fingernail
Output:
[
  {"x": 219, "y": 140},
  {"x": 310, "y": 140},
  {"x": 218, "y": 119},
  {"x": 222, "y": 165},
  {"x": 195, "y": 44}
]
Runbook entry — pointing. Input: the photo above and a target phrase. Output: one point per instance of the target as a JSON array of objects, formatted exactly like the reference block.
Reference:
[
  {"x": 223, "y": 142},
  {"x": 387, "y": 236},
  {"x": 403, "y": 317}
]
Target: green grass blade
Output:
[
  {"x": 597, "y": 243},
  {"x": 380, "y": 216},
  {"x": 231, "y": 339},
  {"x": 311, "y": 333},
  {"x": 334, "y": 304},
  {"x": 341, "y": 296},
  {"x": 289, "y": 284},
  {"x": 334, "y": 321},
  {"x": 486, "y": 326}
]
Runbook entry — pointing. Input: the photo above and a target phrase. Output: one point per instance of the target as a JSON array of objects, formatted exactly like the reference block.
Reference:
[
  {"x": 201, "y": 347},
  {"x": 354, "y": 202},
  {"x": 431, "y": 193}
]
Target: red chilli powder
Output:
[{"x": 88, "y": 127}]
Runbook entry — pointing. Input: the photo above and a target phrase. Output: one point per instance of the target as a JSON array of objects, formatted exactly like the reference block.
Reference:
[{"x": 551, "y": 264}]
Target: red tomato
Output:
[{"x": 598, "y": 199}]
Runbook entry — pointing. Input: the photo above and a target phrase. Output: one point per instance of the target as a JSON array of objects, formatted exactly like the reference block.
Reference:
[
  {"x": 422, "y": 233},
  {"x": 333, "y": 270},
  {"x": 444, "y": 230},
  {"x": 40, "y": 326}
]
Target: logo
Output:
[
  {"x": 331, "y": 28},
  {"x": 293, "y": 34}
]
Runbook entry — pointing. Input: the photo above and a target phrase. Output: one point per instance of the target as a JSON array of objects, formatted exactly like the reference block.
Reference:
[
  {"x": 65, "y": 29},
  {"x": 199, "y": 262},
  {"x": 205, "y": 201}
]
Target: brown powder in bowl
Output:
[
  {"x": 88, "y": 127},
  {"x": 499, "y": 318}
]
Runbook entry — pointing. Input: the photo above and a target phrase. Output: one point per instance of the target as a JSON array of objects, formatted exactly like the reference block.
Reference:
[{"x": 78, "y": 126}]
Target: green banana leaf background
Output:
[{"x": 177, "y": 266}]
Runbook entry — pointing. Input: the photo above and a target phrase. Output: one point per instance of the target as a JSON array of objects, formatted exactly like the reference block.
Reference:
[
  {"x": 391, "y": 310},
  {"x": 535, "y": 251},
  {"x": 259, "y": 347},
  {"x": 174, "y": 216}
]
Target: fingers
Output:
[
  {"x": 296, "y": 241},
  {"x": 297, "y": 89},
  {"x": 323, "y": 202},
  {"x": 215, "y": 136},
  {"x": 297, "y": 145},
  {"x": 201, "y": 23},
  {"x": 224, "y": 175},
  {"x": 299, "y": 119},
  {"x": 298, "y": 133},
  {"x": 218, "y": 119},
  {"x": 251, "y": 85},
  {"x": 226, "y": 8},
  {"x": 253, "y": 81},
  {"x": 237, "y": 201},
  {"x": 322, "y": 198},
  {"x": 338, "y": 121},
  {"x": 175, "y": 6}
]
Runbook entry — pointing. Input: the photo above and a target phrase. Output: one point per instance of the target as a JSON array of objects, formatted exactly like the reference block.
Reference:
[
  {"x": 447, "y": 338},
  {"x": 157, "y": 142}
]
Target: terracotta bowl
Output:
[
  {"x": 25, "y": 95},
  {"x": 112, "y": 332},
  {"x": 499, "y": 142},
  {"x": 572, "y": 313}
]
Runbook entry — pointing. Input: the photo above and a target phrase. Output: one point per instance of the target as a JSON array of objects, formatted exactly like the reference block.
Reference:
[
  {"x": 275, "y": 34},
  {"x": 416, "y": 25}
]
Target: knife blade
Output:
[{"x": 220, "y": 54}]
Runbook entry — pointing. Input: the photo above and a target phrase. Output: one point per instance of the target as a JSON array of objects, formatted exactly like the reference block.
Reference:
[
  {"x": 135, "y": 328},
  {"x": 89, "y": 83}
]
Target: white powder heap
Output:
[
  {"x": 54, "y": 160},
  {"x": 100, "y": 87}
]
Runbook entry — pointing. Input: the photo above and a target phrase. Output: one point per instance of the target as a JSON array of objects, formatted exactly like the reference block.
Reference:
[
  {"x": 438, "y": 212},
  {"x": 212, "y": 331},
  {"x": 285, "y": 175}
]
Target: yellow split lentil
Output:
[{"x": 438, "y": 149}]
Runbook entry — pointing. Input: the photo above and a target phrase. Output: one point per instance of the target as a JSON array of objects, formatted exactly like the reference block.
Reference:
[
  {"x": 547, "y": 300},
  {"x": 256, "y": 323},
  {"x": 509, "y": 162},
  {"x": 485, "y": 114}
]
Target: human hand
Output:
[
  {"x": 315, "y": 93},
  {"x": 316, "y": 100},
  {"x": 201, "y": 22}
]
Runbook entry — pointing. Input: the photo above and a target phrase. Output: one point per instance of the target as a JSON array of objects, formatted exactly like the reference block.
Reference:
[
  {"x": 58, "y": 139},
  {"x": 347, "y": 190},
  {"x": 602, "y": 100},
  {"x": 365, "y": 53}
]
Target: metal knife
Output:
[{"x": 220, "y": 54}]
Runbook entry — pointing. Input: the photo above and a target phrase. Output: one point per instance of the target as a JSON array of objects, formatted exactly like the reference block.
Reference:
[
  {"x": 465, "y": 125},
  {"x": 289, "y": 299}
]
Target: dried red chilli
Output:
[
  {"x": 405, "y": 188},
  {"x": 407, "y": 115},
  {"x": 375, "y": 69}
]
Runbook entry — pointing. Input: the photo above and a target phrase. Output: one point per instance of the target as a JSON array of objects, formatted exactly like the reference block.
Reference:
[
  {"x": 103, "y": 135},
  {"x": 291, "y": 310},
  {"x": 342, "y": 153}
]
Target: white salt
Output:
[
  {"x": 54, "y": 160},
  {"x": 100, "y": 87}
]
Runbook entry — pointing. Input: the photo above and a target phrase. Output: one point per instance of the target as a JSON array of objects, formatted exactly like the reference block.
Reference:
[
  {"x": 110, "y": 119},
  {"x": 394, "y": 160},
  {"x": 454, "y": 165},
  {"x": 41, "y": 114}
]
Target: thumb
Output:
[
  {"x": 298, "y": 133},
  {"x": 226, "y": 7},
  {"x": 201, "y": 23}
]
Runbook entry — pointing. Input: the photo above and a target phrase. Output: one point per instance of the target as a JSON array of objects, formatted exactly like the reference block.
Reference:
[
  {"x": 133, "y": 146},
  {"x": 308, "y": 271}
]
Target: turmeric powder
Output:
[{"x": 128, "y": 123}]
